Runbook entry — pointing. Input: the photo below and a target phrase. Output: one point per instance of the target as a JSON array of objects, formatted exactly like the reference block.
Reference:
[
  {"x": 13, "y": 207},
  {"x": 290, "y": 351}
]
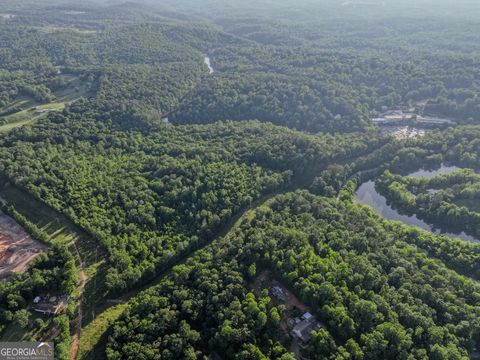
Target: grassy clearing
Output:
[
  {"x": 26, "y": 116},
  {"x": 18, "y": 117},
  {"x": 95, "y": 293},
  {"x": 73, "y": 90},
  {"x": 93, "y": 337},
  {"x": 9, "y": 127},
  {"x": 53, "y": 106},
  {"x": 54, "y": 29},
  {"x": 22, "y": 102}
]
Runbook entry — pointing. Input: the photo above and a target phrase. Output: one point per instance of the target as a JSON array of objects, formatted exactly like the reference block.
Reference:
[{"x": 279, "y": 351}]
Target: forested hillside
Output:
[
  {"x": 378, "y": 294},
  {"x": 150, "y": 195},
  {"x": 330, "y": 77},
  {"x": 192, "y": 170}
]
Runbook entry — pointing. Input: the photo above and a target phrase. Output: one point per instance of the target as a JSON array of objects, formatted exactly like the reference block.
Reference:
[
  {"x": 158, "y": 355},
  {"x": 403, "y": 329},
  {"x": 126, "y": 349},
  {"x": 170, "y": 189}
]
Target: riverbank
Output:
[{"x": 367, "y": 194}]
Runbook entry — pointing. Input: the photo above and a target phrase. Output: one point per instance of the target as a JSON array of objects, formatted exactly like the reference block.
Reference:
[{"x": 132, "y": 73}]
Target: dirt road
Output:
[{"x": 79, "y": 317}]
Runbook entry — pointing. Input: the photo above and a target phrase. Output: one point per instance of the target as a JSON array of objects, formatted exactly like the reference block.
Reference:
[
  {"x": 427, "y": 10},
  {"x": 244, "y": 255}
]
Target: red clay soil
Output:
[
  {"x": 74, "y": 349},
  {"x": 17, "y": 248},
  {"x": 5, "y": 251}
]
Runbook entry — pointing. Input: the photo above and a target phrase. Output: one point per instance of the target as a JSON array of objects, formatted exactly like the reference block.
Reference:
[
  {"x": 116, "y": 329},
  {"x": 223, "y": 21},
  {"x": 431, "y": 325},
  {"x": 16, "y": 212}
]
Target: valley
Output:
[{"x": 241, "y": 180}]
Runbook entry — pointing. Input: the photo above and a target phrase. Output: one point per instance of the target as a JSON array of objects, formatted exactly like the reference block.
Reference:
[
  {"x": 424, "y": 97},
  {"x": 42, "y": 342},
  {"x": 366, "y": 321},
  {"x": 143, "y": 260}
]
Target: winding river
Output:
[
  {"x": 368, "y": 195},
  {"x": 209, "y": 65}
]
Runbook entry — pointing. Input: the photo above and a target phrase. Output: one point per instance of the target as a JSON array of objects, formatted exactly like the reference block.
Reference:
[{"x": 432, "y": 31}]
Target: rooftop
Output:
[
  {"x": 303, "y": 330},
  {"x": 50, "y": 305}
]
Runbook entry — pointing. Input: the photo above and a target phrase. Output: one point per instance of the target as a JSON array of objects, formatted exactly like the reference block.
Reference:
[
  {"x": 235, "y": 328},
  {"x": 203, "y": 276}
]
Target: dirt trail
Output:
[
  {"x": 79, "y": 318},
  {"x": 301, "y": 181}
]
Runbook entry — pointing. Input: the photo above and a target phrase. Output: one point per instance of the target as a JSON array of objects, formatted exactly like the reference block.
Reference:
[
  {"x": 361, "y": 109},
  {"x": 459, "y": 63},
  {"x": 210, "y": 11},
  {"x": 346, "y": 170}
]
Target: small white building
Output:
[{"x": 307, "y": 316}]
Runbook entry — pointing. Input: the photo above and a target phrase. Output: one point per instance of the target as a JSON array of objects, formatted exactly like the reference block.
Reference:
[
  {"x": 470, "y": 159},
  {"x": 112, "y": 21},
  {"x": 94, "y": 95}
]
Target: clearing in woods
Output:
[
  {"x": 17, "y": 248},
  {"x": 59, "y": 230},
  {"x": 25, "y": 110}
]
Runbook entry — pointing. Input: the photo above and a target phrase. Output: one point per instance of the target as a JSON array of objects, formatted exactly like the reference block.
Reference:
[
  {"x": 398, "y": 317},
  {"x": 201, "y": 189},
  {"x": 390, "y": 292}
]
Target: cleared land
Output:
[
  {"x": 17, "y": 248},
  {"x": 265, "y": 280},
  {"x": 31, "y": 110},
  {"x": 59, "y": 230},
  {"x": 27, "y": 116},
  {"x": 91, "y": 345}
]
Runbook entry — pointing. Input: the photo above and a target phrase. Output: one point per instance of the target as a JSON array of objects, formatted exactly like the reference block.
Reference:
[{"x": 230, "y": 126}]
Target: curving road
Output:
[{"x": 301, "y": 181}]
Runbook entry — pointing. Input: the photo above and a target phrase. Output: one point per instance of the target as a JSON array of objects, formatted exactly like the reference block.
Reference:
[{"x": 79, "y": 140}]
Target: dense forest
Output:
[
  {"x": 330, "y": 77},
  {"x": 377, "y": 292},
  {"x": 210, "y": 152},
  {"x": 150, "y": 195}
]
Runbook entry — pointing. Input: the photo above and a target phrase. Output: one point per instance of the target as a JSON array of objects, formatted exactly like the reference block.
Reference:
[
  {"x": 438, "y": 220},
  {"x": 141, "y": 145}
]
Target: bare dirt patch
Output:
[{"x": 17, "y": 248}]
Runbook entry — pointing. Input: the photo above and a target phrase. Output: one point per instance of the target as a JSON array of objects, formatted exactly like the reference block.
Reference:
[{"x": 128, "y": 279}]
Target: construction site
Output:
[
  {"x": 17, "y": 248},
  {"x": 415, "y": 115}
]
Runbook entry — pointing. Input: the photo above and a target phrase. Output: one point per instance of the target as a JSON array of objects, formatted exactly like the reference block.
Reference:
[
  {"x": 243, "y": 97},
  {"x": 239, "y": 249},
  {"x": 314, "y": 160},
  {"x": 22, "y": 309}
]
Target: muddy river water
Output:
[{"x": 368, "y": 195}]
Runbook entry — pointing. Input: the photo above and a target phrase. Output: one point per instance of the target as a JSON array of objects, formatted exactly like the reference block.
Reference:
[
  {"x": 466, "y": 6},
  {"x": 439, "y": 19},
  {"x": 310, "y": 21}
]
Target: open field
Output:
[
  {"x": 22, "y": 102},
  {"x": 8, "y": 127},
  {"x": 53, "y": 29},
  {"x": 27, "y": 116},
  {"x": 32, "y": 110}
]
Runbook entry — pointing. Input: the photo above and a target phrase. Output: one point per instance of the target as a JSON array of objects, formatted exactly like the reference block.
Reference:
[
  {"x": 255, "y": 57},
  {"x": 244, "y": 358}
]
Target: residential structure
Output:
[
  {"x": 305, "y": 326},
  {"x": 279, "y": 293},
  {"x": 50, "y": 305}
]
